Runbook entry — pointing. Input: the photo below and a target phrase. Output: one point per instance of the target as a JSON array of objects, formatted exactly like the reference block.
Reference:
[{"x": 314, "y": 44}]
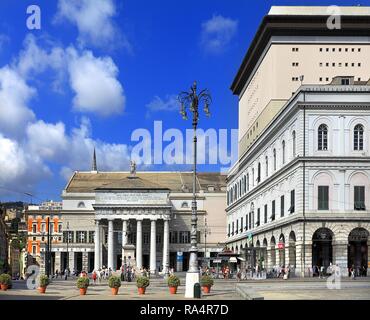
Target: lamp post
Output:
[
  {"x": 191, "y": 100},
  {"x": 67, "y": 265}
]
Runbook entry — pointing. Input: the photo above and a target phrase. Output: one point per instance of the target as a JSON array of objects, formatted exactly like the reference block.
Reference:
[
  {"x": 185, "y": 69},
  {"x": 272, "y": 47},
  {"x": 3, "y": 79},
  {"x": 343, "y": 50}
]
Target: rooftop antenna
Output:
[{"x": 94, "y": 166}]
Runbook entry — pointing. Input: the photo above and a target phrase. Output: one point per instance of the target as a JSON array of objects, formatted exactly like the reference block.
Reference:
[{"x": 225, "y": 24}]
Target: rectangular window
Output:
[
  {"x": 292, "y": 201},
  {"x": 273, "y": 211},
  {"x": 241, "y": 224},
  {"x": 146, "y": 237},
  {"x": 184, "y": 237},
  {"x": 158, "y": 239},
  {"x": 345, "y": 82},
  {"x": 237, "y": 227},
  {"x": 265, "y": 213},
  {"x": 233, "y": 228},
  {"x": 34, "y": 228},
  {"x": 174, "y": 236},
  {"x": 323, "y": 198},
  {"x": 33, "y": 250},
  {"x": 282, "y": 206},
  {"x": 81, "y": 236},
  {"x": 246, "y": 222},
  {"x": 359, "y": 198},
  {"x": 59, "y": 228},
  {"x": 68, "y": 236},
  {"x": 91, "y": 236},
  {"x": 258, "y": 217}
]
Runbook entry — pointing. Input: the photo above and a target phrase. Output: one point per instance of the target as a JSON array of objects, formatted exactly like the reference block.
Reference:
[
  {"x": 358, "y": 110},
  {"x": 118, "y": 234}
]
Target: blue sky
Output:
[{"x": 98, "y": 70}]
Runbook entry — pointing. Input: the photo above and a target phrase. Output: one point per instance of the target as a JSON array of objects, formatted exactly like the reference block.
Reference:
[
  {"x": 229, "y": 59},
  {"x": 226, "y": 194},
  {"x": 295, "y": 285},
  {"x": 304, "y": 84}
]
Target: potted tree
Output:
[
  {"x": 44, "y": 282},
  {"x": 5, "y": 281},
  {"x": 83, "y": 284},
  {"x": 114, "y": 283},
  {"x": 173, "y": 282},
  {"x": 142, "y": 282},
  {"x": 206, "y": 283}
]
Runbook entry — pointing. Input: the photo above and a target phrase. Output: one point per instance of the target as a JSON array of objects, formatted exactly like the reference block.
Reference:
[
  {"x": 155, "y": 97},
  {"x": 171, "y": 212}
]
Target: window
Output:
[
  {"x": 233, "y": 228},
  {"x": 248, "y": 182},
  {"x": 228, "y": 230},
  {"x": 34, "y": 250},
  {"x": 359, "y": 198},
  {"x": 292, "y": 201},
  {"x": 265, "y": 214},
  {"x": 241, "y": 224},
  {"x": 174, "y": 236},
  {"x": 158, "y": 238},
  {"x": 43, "y": 227},
  {"x": 323, "y": 137},
  {"x": 81, "y": 205},
  {"x": 81, "y": 236},
  {"x": 250, "y": 219},
  {"x": 252, "y": 177},
  {"x": 34, "y": 228},
  {"x": 273, "y": 211},
  {"x": 258, "y": 217},
  {"x": 274, "y": 154},
  {"x": 323, "y": 198},
  {"x": 282, "y": 206},
  {"x": 259, "y": 173},
  {"x": 184, "y": 205},
  {"x": 320, "y": 49},
  {"x": 358, "y": 138},
  {"x": 184, "y": 236},
  {"x": 59, "y": 228},
  {"x": 91, "y": 236},
  {"x": 267, "y": 166},
  {"x": 345, "y": 82},
  {"x": 283, "y": 151},
  {"x": 294, "y": 143},
  {"x": 237, "y": 226},
  {"x": 68, "y": 236},
  {"x": 246, "y": 222}
]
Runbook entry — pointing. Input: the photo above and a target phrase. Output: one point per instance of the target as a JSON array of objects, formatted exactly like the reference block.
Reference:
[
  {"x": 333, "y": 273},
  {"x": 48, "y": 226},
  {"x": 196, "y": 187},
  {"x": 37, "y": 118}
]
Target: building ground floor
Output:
[{"x": 307, "y": 246}]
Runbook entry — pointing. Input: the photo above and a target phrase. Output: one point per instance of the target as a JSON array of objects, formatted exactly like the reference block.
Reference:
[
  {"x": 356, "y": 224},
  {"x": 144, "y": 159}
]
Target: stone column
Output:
[
  {"x": 153, "y": 247},
  {"x": 71, "y": 262},
  {"x": 58, "y": 265},
  {"x": 85, "y": 261},
  {"x": 110, "y": 245},
  {"x": 268, "y": 262},
  {"x": 124, "y": 238},
  {"x": 139, "y": 244},
  {"x": 97, "y": 253},
  {"x": 166, "y": 240},
  {"x": 340, "y": 256}
]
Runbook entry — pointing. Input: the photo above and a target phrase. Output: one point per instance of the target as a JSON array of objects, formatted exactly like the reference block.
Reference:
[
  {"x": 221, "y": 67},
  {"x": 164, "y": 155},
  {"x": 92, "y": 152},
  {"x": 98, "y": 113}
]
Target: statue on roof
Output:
[{"x": 133, "y": 167}]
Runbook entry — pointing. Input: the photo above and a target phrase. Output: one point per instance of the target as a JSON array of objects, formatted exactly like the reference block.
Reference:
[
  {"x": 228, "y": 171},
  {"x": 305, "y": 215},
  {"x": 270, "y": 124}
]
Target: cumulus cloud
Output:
[
  {"x": 169, "y": 103},
  {"x": 217, "y": 33},
  {"x": 15, "y": 96},
  {"x": 94, "y": 21},
  {"x": 94, "y": 80}
]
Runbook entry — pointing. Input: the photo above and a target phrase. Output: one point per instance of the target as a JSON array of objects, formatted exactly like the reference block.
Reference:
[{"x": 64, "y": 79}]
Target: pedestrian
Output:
[
  {"x": 65, "y": 274},
  {"x": 94, "y": 276},
  {"x": 353, "y": 276}
]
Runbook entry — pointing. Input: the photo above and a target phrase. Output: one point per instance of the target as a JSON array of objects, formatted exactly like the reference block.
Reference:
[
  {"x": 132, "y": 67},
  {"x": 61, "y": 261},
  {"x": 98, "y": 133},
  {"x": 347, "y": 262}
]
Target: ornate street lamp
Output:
[{"x": 190, "y": 101}]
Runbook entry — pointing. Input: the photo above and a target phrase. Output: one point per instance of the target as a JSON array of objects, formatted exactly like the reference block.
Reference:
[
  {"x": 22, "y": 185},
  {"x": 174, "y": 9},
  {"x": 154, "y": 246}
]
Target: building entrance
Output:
[
  {"x": 322, "y": 249},
  {"x": 358, "y": 251}
]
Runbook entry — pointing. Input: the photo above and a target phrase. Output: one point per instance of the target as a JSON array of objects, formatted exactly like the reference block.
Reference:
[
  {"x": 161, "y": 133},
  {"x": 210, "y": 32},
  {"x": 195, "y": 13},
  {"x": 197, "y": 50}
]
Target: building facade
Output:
[
  {"x": 140, "y": 219},
  {"x": 299, "y": 194}
]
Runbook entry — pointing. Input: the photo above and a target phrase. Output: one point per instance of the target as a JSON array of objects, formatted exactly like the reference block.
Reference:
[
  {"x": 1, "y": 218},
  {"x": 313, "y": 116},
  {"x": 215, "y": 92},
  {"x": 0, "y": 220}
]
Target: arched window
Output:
[
  {"x": 358, "y": 138},
  {"x": 274, "y": 152},
  {"x": 283, "y": 151},
  {"x": 259, "y": 173},
  {"x": 184, "y": 205},
  {"x": 294, "y": 144},
  {"x": 267, "y": 166},
  {"x": 81, "y": 205},
  {"x": 323, "y": 137}
]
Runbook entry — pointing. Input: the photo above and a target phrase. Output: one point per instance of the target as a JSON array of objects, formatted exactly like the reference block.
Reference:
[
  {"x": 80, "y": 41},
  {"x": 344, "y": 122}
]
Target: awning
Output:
[
  {"x": 233, "y": 259},
  {"x": 217, "y": 261},
  {"x": 241, "y": 259}
]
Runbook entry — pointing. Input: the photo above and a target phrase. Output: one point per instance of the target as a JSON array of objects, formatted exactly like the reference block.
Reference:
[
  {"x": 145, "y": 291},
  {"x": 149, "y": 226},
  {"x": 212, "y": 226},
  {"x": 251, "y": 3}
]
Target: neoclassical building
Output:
[
  {"x": 142, "y": 219},
  {"x": 299, "y": 194}
]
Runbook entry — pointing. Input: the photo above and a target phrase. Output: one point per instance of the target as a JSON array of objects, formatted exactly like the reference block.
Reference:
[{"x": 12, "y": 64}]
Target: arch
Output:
[
  {"x": 273, "y": 252},
  {"x": 292, "y": 250},
  {"x": 258, "y": 244},
  {"x": 359, "y": 183},
  {"x": 322, "y": 249},
  {"x": 323, "y": 188},
  {"x": 264, "y": 243},
  {"x": 281, "y": 249},
  {"x": 81, "y": 205},
  {"x": 357, "y": 255},
  {"x": 185, "y": 205}
]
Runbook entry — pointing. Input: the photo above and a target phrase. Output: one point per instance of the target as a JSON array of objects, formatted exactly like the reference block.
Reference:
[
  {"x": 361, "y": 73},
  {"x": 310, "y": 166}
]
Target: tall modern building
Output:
[{"x": 300, "y": 191}]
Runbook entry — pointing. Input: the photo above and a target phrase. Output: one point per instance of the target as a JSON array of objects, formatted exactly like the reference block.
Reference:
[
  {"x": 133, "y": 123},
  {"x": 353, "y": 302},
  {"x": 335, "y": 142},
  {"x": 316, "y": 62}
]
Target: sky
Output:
[{"x": 98, "y": 70}]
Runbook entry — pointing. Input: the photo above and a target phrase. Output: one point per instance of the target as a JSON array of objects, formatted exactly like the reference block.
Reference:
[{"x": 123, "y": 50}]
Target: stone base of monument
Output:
[{"x": 191, "y": 279}]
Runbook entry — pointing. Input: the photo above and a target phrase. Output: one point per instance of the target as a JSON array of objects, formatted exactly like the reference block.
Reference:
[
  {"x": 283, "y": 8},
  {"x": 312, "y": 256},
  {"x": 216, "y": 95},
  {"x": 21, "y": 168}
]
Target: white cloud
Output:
[
  {"x": 15, "y": 95},
  {"x": 94, "y": 80},
  {"x": 170, "y": 103},
  {"x": 217, "y": 33},
  {"x": 94, "y": 21}
]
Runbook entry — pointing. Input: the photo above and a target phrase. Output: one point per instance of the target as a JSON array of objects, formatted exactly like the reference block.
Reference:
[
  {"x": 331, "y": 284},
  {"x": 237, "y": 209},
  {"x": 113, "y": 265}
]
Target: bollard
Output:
[{"x": 197, "y": 291}]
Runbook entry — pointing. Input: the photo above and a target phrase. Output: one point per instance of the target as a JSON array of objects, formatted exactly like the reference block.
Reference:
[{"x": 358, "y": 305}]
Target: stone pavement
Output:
[{"x": 272, "y": 289}]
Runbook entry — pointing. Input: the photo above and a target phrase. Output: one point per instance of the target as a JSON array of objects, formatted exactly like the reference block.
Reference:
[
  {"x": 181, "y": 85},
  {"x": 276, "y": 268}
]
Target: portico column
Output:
[
  {"x": 110, "y": 245},
  {"x": 153, "y": 248},
  {"x": 166, "y": 239},
  {"x": 97, "y": 240},
  {"x": 124, "y": 238},
  {"x": 139, "y": 244}
]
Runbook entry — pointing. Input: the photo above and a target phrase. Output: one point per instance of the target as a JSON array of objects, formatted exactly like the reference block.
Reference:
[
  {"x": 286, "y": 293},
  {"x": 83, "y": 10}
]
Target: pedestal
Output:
[{"x": 191, "y": 279}]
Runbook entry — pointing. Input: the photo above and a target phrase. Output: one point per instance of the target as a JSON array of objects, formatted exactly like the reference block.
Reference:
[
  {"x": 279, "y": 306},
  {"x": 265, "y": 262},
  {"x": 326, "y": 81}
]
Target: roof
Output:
[
  {"x": 86, "y": 182},
  {"x": 299, "y": 21}
]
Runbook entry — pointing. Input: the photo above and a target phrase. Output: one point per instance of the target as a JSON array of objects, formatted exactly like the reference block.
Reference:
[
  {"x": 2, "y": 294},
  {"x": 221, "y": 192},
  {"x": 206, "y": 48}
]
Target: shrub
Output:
[
  {"x": 142, "y": 282},
  {"x": 6, "y": 279},
  {"x": 83, "y": 282},
  {"x": 206, "y": 281},
  {"x": 114, "y": 282},
  {"x": 44, "y": 281},
  {"x": 173, "y": 281}
]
